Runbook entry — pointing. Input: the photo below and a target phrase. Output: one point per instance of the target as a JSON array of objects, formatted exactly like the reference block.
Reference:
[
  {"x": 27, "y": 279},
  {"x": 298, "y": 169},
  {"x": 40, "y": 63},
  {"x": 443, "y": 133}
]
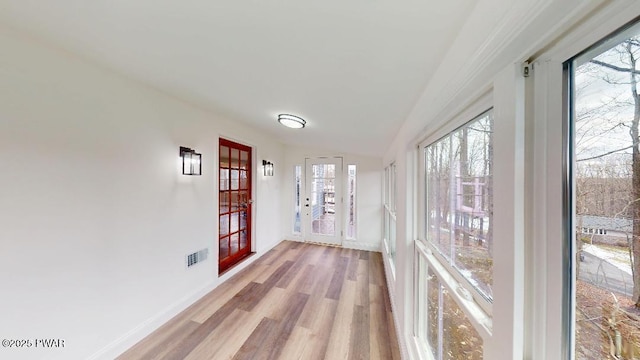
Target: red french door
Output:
[{"x": 234, "y": 238}]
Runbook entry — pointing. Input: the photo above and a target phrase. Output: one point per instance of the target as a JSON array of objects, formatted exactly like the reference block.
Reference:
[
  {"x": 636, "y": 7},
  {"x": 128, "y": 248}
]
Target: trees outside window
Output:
[
  {"x": 455, "y": 269},
  {"x": 607, "y": 180},
  {"x": 390, "y": 192}
]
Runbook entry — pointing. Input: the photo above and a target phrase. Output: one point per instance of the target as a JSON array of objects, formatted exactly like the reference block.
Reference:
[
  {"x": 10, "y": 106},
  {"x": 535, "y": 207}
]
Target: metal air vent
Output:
[{"x": 197, "y": 257}]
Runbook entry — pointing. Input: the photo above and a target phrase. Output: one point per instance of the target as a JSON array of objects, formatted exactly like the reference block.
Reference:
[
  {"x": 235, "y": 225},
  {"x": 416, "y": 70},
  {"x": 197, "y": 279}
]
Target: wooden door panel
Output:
[{"x": 234, "y": 221}]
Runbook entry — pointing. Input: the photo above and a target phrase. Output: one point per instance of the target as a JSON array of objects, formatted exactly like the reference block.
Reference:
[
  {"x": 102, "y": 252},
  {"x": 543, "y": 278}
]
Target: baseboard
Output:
[
  {"x": 132, "y": 337},
  {"x": 404, "y": 354},
  {"x": 357, "y": 245},
  {"x": 126, "y": 341},
  {"x": 347, "y": 244}
]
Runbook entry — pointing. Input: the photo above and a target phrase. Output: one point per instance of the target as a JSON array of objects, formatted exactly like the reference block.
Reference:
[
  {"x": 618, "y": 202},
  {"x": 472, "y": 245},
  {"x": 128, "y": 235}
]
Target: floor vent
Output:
[{"x": 197, "y": 257}]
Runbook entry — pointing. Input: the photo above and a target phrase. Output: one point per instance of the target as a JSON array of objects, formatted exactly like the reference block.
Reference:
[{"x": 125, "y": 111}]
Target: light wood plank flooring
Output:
[{"x": 299, "y": 301}]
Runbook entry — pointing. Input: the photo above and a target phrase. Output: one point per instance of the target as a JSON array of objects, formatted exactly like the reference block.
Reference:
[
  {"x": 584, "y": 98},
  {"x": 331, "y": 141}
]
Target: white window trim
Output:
[
  {"x": 548, "y": 328},
  {"x": 471, "y": 112},
  {"x": 482, "y": 103},
  {"x": 485, "y": 304},
  {"x": 390, "y": 193},
  {"x": 481, "y": 321},
  {"x": 509, "y": 213},
  {"x": 506, "y": 328}
]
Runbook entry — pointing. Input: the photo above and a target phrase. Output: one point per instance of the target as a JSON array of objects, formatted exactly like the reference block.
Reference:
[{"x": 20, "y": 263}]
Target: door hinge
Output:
[{"x": 527, "y": 68}]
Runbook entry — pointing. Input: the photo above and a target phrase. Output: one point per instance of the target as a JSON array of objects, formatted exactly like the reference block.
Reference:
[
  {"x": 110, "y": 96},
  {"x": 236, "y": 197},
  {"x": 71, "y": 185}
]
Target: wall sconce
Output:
[
  {"x": 267, "y": 167},
  {"x": 191, "y": 161}
]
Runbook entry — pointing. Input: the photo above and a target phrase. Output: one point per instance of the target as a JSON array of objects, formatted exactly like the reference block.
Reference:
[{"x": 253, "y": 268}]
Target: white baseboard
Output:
[
  {"x": 132, "y": 337},
  {"x": 404, "y": 354},
  {"x": 126, "y": 341},
  {"x": 348, "y": 244},
  {"x": 358, "y": 245}
]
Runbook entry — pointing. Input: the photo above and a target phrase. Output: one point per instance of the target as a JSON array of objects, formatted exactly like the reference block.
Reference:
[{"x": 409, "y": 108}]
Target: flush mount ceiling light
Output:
[{"x": 292, "y": 121}]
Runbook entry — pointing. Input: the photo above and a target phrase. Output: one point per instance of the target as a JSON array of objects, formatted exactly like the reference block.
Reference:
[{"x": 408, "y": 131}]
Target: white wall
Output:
[
  {"x": 95, "y": 218},
  {"x": 368, "y": 194}
]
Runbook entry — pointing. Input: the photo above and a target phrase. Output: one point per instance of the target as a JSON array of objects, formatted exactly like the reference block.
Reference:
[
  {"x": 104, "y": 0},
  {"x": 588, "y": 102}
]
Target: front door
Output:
[
  {"x": 323, "y": 200},
  {"x": 234, "y": 240}
]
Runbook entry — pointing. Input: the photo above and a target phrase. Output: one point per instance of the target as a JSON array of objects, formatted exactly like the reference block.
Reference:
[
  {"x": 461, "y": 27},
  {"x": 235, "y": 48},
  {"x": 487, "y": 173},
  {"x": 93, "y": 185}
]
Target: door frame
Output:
[
  {"x": 307, "y": 227},
  {"x": 251, "y": 168}
]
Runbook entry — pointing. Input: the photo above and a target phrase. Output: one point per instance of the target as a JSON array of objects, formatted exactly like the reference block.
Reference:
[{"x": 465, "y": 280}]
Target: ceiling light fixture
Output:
[{"x": 292, "y": 121}]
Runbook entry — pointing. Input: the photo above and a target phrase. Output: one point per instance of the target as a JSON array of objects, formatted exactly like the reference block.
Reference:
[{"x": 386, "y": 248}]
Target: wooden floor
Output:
[{"x": 299, "y": 301}]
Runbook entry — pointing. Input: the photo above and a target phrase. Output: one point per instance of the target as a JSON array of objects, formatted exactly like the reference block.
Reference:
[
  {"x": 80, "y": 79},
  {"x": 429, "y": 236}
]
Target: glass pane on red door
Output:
[{"x": 234, "y": 203}]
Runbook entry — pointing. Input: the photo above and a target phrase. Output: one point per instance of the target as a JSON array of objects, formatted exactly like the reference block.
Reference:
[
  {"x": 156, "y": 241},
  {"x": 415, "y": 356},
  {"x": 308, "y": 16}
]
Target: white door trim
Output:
[{"x": 316, "y": 212}]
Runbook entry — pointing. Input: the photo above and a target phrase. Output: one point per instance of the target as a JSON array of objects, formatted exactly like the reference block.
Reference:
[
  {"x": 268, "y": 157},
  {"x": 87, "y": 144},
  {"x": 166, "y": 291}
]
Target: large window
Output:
[
  {"x": 606, "y": 203},
  {"x": 455, "y": 262},
  {"x": 390, "y": 192}
]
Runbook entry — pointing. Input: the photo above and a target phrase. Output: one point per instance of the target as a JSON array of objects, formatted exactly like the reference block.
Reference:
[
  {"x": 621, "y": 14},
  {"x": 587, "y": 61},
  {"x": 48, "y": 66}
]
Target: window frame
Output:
[
  {"x": 478, "y": 310},
  {"x": 504, "y": 336},
  {"x": 550, "y": 297},
  {"x": 570, "y": 246},
  {"x": 434, "y": 252},
  {"x": 389, "y": 214}
]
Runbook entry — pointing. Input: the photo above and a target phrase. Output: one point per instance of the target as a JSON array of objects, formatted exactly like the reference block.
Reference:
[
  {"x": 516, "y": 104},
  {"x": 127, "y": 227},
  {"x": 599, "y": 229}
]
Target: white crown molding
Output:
[{"x": 443, "y": 100}]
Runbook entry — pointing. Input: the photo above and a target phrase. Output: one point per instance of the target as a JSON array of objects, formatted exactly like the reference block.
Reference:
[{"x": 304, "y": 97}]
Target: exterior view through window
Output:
[
  {"x": 297, "y": 220},
  {"x": 459, "y": 243},
  {"x": 351, "y": 194},
  {"x": 390, "y": 210},
  {"x": 606, "y": 176}
]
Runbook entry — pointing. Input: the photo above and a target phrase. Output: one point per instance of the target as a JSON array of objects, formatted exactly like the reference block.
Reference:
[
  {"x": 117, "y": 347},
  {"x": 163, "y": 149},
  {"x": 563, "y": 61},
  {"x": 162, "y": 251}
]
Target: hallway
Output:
[{"x": 299, "y": 301}]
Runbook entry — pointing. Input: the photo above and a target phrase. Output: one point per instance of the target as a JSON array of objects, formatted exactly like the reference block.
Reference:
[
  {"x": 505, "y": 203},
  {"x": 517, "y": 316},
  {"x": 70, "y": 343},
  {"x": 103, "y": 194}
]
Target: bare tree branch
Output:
[
  {"x": 616, "y": 68},
  {"x": 605, "y": 154}
]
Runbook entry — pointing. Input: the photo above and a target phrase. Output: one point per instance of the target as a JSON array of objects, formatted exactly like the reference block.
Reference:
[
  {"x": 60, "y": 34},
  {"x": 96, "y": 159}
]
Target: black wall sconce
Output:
[
  {"x": 267, "y": 167},
  {"x": 191, "y": 161}
]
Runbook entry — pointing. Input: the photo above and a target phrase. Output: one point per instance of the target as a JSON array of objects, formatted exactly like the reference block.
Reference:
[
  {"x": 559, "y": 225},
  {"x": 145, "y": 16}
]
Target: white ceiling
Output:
[{"x": 353, "y": 69}]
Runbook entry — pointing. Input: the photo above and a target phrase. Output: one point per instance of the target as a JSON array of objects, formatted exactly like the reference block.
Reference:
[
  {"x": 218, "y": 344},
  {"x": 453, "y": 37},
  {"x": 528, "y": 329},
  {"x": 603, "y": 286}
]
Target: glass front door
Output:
[{"x": 323, "y": 200}]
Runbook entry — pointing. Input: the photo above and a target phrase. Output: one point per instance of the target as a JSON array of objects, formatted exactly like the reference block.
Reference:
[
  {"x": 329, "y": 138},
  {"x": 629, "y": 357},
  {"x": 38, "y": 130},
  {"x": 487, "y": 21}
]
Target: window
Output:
[
  {"x": 447, "y": 330},
  {"x": 605, "y": 147},
  {"x": 455, "y": 262},
  {"x": 386, "y": 206},
  {"x": 297, "y": 221},
  {"x": 390, "y": 192},
  {"x": 351, "y": 202},
  {"x": 459, "y": 202}
]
